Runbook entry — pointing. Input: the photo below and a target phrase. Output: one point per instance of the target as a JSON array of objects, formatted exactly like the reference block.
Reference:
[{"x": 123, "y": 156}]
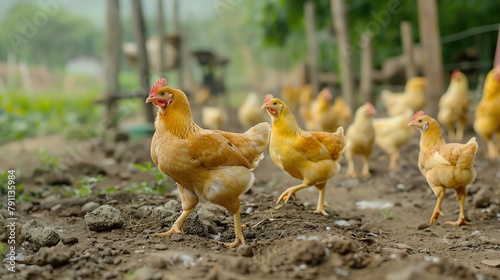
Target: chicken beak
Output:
[
  {"x": 265, "y": 106},
  {"x": 150, "y": 98},
  {"x": 410, "y": 124}
]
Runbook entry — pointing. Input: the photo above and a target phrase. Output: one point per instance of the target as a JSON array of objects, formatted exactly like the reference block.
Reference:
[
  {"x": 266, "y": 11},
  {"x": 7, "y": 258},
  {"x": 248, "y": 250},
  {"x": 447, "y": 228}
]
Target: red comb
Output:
[
  {"x": 267, "y": 98},
  {"x": 417, "y": 114},
  {"x": 326, "y": 92},
  {"x": 159, "y": 83}
]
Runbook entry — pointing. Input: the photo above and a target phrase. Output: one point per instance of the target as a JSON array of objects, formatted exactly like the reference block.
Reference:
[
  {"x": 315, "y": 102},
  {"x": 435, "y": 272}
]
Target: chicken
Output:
[
  {"x": 312, "y": 157},
  {"x": 391, "y": 134},
  {"x": 453, "y": 106},
  {"x": 250, "y": 113},
  {"x": 291, "y": 95},
  {"x": 444, "y": 166},
  {"x": 413, "y": 97},
  {"x": 324, "y": 117},
  {"x": 360, "y": 137},
  {"x": 306, "y": 92},
  {"x": 202, "y": 96},
  {"x": 487, "y": 119},
  {"x": 213, "y": 117},
  {"x": 208, "y": 164}
]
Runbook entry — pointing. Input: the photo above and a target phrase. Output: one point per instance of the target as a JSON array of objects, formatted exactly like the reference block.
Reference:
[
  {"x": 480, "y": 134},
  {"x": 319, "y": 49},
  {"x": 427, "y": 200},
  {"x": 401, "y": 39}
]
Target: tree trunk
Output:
[
  {"x": 340, "y": 24},
  {"x": 142, "y": 55},
  {"x": 431, "y": 47}
]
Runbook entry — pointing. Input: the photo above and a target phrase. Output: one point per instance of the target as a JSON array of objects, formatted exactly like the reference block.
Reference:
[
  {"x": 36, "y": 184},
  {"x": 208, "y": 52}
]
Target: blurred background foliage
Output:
[{"x": 273, "y": 31}]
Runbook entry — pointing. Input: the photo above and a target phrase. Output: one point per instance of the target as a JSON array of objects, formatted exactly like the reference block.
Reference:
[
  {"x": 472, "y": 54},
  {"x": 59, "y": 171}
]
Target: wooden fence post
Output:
[
  {"x": 431, "y": 47},
  {"x": 497, "y": 52},
  {"x": 340, "y": 24},
  {"x": 142, "y": 54},
  {"x": 407, "y": 41},
  {"x": 366, "y": 77},
  {"x": 161, "y": 38},
  {"x": 111, "y": 61},
  {"x": 312, "y": 45}
]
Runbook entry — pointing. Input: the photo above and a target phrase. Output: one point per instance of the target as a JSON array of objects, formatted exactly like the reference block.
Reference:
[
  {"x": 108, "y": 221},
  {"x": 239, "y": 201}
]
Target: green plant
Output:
[
  {"x": 160, "y": 177},
  {"x": 47, "y": 162},
  {"x": 86, "y": 185},
  {"x": 1, "y": 248}
]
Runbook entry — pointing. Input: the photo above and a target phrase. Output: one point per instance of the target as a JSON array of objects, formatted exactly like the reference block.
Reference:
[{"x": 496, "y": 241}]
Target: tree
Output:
[{"x": 47, "y": 36}]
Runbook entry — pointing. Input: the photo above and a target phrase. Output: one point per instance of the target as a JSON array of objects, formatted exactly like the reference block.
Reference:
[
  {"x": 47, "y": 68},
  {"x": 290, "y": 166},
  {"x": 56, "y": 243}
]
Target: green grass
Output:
[{"x": 25, "y": 113}]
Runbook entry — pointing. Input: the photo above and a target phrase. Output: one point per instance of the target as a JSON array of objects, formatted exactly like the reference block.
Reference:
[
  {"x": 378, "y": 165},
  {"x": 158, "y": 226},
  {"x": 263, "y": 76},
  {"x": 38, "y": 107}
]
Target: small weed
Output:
[
  {"x": 161, "y": 179},
  {"x": 47, "y": 162},
  {"x": 86, "y": 186},
  {"x": 1, "y": 248},
  {"x": 387, "y": 214}
]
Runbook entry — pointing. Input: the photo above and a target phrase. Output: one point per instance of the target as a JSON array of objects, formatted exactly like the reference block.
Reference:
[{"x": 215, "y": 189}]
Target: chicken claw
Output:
[
  {"x": 235, "y": 243},
  {"x": 290, "y": 192},
  {"x": 173, "y": 230},
  {"x": 459, "y": 222}
]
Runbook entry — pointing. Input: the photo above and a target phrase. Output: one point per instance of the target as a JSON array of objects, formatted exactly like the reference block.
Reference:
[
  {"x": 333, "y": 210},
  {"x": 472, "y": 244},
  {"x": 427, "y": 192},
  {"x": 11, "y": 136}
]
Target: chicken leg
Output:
[
  {"x": 239, "y": 238},
  {"x": 366, "y": 166},
  {"x": 439, "y": 191},
  {"x": 451, "y": 132},
  {"x": 461, "y": 194},
  {"x": 321, "y": 200},
  {"x": 350, "y": 165},
  {"x": 460, "y": 132},
  {"x": 394, "y": 157},
  {"x": 492, "y": 150},
  {"x": 177, "y": 226},
  {"x": 189, "y": 201}
]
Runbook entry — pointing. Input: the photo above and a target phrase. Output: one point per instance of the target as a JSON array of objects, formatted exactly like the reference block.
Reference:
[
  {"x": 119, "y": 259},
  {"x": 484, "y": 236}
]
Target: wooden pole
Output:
[
  {"x": 161, "y": 39},
  {"x": 142, "y": 55},
  {"x": 497, "y": 52},
  {"x": 312, "y": 45},
  {"x": 366, "y": 83},
  {"x": 340, "y": 25},
  {"x": 180, "y": 51},
  {"x": 432, "y": 57},
  {"x": 407, "y": 42},
  {"x": 111, "y": 61}
]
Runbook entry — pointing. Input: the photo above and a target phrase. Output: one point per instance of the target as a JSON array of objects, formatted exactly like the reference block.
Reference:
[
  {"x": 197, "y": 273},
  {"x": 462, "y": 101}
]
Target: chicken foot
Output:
[
  {"x": 291, "y": 192},
  {"x": 437, "y": 209},
  {"x": 461, "y": 194},
  {"x": 177, "y": 226},
  {"x": 239, "y": 238}
]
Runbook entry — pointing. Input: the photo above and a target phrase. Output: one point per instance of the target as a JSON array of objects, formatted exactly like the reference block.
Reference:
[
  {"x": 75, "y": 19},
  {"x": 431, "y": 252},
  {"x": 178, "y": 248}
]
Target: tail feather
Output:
[
  {"x": 259, "y": 136},
  {"x": 468, "y": 154}
]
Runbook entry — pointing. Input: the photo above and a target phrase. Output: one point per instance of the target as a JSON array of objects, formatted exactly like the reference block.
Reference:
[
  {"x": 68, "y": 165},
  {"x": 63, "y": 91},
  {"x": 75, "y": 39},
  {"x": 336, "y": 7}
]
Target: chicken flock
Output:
[{"x": 217, "y": 166}]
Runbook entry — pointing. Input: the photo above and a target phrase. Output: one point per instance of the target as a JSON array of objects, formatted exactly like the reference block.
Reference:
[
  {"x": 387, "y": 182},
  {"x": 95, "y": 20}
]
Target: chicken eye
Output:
[
  {"x": 275, "y": 103},
  {"x": 162, "y": 93},
  {"x": 419, "y": 120}
]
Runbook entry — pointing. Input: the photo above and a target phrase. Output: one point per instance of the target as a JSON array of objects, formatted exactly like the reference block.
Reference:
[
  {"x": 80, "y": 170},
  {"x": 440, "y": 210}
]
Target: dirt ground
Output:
[{"x": 377, "y": 227}]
